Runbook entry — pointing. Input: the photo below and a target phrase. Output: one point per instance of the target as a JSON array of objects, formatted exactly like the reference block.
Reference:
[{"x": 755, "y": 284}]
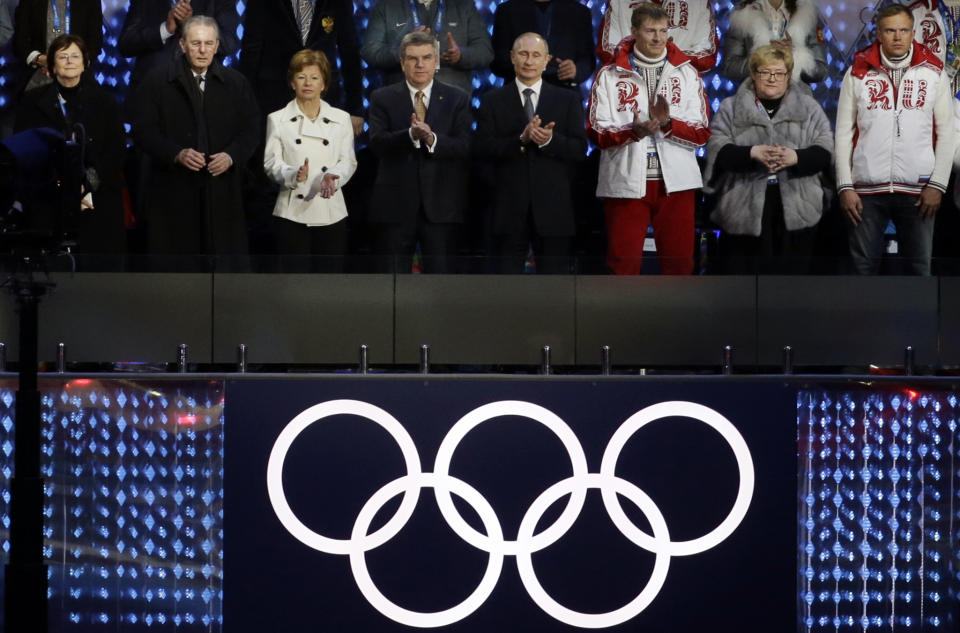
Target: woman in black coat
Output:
[{"x": 77, "y": 107}]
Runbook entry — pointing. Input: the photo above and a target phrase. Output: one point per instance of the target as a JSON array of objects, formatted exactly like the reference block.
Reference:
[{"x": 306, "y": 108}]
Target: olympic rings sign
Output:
[{"x": 493, "y": 542}]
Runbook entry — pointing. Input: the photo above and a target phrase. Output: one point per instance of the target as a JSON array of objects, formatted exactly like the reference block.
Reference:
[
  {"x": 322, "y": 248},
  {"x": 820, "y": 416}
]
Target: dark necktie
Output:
[{"x": 528, "y": 103}]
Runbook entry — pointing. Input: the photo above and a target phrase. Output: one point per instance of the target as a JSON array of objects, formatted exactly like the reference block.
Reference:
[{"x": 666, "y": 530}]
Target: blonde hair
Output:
[{"x": 771, "y": 54}]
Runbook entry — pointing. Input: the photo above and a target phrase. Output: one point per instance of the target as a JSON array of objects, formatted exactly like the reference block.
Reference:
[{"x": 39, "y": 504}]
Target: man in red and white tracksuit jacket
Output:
[
  {"x": 894, "y": 144},
  {"x": 648, "y": 115},
  {"x": 691, "y": 23}
]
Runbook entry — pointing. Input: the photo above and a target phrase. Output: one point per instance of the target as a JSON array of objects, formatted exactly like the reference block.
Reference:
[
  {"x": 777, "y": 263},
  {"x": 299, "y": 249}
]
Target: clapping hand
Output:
[
  {"x": 328, "y": 185},
  {"x": 304, "y": 171},
  {"x": 452, "y": 54},
  {"x": 786, "y": 42},
  {"x": 566, "y": 69},
  {"x": 536, "y": 133},
  {"x": 643, "y": 129},
  {"x": 178, "y": 14},
  {"x": 420, "y": 130},
  {"x": 659, "y": 111}
]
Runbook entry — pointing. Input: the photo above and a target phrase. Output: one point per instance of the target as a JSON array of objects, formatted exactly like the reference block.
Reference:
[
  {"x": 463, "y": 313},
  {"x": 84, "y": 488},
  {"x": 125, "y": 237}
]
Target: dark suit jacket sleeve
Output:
[
  {"x": 147, "y": 107},
  {"x": 93, "y": 29},
  {"x": 242, "y": 146},
  {"x": 141, "y": 31},
  {"x": 24, "y": 38},
  {"x": 225, "y": 13},
  {"x": 349, "y": 48},
  {"x": 384, "y": 141},
  {"x": 569, "y": 141},
  {"x": 585, "y": 59},
  {"x": 6, "y": 24},
  {"x": 502, "y": 43},
  {"x": 111, "y": 141},
  {"x": 476, "y": 52},
  {"x": 494, "y": 139},
  {"x": 375, "y": 49},
  {"x": 455, "y": 143}
]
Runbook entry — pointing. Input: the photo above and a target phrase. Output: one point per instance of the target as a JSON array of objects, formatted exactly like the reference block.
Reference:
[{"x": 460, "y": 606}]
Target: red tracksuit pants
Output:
[{"x": 673, "y": 230}]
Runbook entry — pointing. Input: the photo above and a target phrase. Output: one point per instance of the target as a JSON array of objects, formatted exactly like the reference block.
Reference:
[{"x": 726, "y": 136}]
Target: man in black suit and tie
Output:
[
  {"x": 566, "y": 26},
  {"x": 152, "y": 30},
  {"x": 534, "y": 133},
  {"x": 420, "y": 131},
  {"x": 276, "y": 29}
]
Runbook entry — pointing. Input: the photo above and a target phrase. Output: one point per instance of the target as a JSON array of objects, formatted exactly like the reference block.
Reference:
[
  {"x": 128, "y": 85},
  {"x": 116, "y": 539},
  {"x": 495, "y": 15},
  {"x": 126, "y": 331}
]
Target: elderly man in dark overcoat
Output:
[{"x": 199, "y": 122}]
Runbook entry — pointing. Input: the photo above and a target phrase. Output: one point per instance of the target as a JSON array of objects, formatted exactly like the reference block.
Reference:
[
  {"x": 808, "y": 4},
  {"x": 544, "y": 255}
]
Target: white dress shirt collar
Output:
[
  {"x": 535, "y": 97},
  {"x": 427, "y": 90},
  {"x": 536, "y": 88}
]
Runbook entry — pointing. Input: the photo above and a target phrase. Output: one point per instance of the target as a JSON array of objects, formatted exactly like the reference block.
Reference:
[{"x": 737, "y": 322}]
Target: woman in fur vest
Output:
[
  {"x": 769, "y": 144},
  {"x": 792, "y": 24}
]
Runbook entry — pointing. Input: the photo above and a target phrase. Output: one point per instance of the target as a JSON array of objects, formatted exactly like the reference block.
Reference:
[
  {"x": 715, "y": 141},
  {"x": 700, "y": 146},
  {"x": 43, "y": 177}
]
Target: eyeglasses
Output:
[
  {"x": 771, "y": 74},
  {"x": 69, "y": 57}
]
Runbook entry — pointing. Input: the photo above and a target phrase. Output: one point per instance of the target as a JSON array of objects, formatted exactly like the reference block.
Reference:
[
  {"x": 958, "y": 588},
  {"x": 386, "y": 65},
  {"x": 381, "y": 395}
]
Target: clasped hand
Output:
[
  {"x": 195, "y": 161},
  {"x": 774, "y": 157}
]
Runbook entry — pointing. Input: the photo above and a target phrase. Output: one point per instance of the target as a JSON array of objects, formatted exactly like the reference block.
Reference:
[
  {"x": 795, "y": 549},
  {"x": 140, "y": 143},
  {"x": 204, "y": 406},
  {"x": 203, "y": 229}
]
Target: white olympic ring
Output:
[{"x": 493, "y": 542}]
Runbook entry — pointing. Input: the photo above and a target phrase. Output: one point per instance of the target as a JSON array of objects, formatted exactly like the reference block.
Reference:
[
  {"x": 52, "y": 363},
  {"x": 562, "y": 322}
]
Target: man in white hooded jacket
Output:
[
  {"x": 894, "y": 144},
  {"x": 648, "y": 115}
]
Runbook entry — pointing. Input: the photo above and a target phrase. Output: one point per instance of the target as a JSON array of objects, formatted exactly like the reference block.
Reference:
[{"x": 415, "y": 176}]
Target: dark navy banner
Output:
[{"x": 371, "y": 503}]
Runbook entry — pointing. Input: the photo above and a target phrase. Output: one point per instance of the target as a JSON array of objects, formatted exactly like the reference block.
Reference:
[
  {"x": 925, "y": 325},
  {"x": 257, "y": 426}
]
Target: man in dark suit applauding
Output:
[
  {"x": 420, "y": 131},
  {"x": 534, "y": 133}
]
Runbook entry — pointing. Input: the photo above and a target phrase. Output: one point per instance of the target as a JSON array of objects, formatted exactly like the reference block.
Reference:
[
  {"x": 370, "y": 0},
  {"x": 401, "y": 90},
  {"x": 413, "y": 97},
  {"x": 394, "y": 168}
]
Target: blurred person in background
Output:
[
  {"x": 38, "y": 22},
  {"x": 792, "y": 24}
]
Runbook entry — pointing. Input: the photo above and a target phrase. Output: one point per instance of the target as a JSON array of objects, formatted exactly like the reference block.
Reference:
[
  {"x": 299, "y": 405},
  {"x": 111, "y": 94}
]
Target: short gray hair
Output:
[
  {"x": 199, "y": 20},
  {"x": 417, "y": 38}
]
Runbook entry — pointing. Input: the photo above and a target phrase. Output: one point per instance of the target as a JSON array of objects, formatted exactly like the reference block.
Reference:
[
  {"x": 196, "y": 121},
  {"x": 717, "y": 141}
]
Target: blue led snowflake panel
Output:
[
  {"x": 879, "y": 510},
  {"x": 134, "y": 502}
]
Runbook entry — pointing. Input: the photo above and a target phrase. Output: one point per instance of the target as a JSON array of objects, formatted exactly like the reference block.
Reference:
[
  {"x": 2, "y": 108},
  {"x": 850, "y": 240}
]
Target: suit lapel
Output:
[
  {"x": 286, "y": 7},
  {"x": 543, "y": 103},
  {"x": 437, "y": 103},
  {"x": 402, "y": 97},
  {"x": 319, "y": 12}
]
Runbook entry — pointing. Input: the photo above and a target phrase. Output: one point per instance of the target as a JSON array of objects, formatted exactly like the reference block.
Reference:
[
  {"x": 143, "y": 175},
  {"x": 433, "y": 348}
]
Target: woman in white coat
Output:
[{"x": 309, "y": 153}]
